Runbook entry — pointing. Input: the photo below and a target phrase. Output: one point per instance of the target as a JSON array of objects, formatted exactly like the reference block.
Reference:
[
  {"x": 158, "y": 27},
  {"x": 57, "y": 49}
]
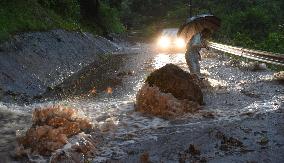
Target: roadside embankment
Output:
[{"x": 32, "y": 62}]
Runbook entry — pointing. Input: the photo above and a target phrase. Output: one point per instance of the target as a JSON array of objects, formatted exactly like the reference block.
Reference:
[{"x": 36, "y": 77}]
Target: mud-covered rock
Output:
[
  {"x": 181, "y": 84},
  {"x": 169, "y": 92},
  {"x": 52, "y": 127}
]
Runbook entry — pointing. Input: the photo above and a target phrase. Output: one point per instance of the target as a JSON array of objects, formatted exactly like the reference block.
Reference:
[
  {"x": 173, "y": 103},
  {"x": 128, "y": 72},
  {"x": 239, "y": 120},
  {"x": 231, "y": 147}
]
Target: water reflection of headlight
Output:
[
  {"x": 180, "y": 43},
  {"x": 164, "y": 42}
]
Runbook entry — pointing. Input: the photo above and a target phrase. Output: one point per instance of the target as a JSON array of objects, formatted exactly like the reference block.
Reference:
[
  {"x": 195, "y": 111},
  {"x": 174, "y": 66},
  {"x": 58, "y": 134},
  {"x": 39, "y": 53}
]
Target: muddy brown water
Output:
[{"x": 245, "y": 124}]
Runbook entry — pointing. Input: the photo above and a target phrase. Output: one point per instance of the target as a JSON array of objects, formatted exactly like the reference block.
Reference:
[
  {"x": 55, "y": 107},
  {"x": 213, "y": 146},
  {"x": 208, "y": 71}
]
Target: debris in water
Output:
[
  {"x": 51, "y": 129},
  {"x": 252, "y": 93},
  {"x": 125, "y": 73},
  {"x": 79, "y": 147},
  {"x": 263, "y": 141},
  {"x": 248, "y": 66},
  {"x": 254, "y": 66},
  {"x": 207, "y": 114},
  {"x": 109, "y": 90},
  {"x": 209, "y": 54},
  {"x": 93, "y": 91},
  {"x": 279, "y": 76},
  {"x": 145, "y": 158},
  {"x": 228, "y": 143},
  {"x": 193, "y": 150},
  {"x": 191, "y": 154},
  {"x": 109, "y": 125}
]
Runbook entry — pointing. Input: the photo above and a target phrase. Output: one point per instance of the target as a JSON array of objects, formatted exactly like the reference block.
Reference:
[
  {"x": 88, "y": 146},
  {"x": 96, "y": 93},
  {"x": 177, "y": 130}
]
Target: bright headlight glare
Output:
[
  {"x": 180, "y": 42},
  {"x": 164, "y": 42}
]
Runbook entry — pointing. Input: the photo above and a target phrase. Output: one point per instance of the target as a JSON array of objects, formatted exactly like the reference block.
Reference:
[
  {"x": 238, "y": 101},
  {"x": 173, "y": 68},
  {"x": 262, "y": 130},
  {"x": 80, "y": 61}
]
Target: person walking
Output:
[{"x": 192, "y": 55}]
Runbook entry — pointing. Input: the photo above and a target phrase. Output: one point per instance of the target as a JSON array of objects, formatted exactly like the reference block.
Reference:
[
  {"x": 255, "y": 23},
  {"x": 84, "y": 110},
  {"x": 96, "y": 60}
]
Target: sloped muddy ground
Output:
[
  {"x": 34, "y": 61},
  {"x": 242, "y": 121}
]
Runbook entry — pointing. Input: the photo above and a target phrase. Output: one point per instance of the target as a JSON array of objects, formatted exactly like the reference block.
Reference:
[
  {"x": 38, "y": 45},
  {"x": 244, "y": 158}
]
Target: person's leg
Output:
[
  {"x": 192, "y": 60},
  {"x": 197, "y": 64},
  {"x": 188, "y": 60}
]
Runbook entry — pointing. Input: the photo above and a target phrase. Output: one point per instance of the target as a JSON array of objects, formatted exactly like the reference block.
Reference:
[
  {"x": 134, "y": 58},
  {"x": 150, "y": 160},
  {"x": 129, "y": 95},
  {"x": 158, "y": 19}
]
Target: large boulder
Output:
[
  {"x": 169, "y": 92},
  {"x": 181, "y": 84}
]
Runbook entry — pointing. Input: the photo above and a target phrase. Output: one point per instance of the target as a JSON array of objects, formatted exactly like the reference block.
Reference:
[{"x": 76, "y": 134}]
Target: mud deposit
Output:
[
  {"x": 32, "y": 62},
  {"x": 242, "y": 120}
]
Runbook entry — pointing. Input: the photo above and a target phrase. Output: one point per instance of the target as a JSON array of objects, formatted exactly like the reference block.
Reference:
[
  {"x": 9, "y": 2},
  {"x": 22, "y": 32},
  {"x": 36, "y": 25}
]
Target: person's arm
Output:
[
  {"x": 198, "y": 46},
  {"x": 198, "y": 42}
]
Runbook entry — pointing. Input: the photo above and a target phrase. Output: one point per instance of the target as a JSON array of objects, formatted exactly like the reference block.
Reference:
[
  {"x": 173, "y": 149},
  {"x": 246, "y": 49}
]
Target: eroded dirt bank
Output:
[
  {"x": 242, "y": 120},
  {"x": 32, "y": 62}
]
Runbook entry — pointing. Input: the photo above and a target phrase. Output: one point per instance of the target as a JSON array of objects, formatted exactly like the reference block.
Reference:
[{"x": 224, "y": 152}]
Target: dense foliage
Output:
[
  {"x": 26, "y": 15},
  {"x": 33, "y": 15},
  {"x": 255, "y": 24}
]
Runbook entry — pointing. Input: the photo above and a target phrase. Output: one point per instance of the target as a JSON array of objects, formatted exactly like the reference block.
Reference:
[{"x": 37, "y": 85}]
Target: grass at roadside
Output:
[
  {"x": 18, "y": 16},
  {"x": 29, "y": 15}
]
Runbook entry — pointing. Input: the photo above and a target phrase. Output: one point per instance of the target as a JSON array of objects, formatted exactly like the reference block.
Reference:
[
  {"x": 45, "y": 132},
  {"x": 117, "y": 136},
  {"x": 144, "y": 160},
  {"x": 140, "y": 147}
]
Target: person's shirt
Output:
[{"x": 196, "y": 40}]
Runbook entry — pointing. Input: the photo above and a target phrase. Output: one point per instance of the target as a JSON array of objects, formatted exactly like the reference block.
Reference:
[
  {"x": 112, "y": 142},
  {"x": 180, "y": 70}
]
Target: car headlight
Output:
[
  {"x": 164, "y": 42},
  {"x": 180, "y": 43}
]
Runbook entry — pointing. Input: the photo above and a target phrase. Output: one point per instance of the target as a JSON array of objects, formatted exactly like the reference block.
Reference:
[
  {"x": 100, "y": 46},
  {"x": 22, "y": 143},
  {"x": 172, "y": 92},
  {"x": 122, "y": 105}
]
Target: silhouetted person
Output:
[{"x": 192, "y": 55}]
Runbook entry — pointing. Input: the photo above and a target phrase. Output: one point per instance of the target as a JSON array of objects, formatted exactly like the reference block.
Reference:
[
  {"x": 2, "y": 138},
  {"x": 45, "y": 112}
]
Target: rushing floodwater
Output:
[{"x": 115, "y": 110}]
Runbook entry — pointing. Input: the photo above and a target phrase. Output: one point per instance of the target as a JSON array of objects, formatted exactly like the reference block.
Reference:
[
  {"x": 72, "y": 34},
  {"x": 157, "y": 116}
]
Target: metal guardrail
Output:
[{"x": 262, "y": 56}]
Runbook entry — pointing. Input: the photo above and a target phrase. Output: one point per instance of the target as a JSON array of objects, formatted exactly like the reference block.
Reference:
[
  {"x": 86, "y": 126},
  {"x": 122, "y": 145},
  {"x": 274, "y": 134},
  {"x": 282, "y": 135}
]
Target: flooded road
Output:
[{"x": 242, "y": 121}]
